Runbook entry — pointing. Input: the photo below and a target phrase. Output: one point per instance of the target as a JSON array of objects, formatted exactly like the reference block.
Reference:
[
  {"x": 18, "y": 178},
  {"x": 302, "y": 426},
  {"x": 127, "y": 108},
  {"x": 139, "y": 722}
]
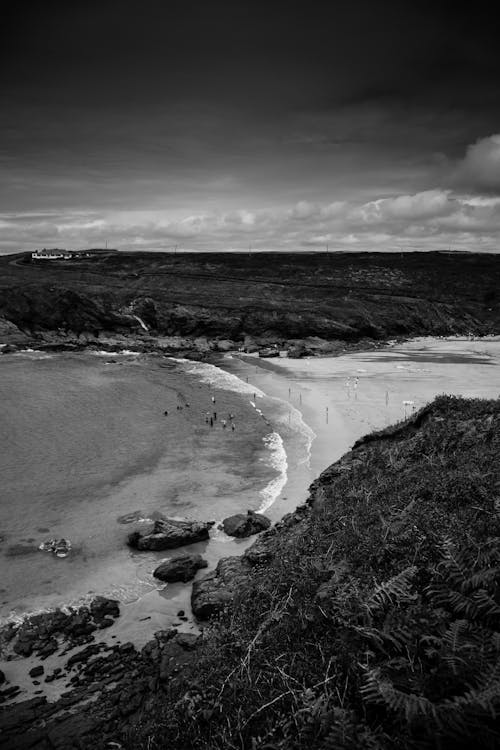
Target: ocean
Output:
[{"x": 87, "y": 453}]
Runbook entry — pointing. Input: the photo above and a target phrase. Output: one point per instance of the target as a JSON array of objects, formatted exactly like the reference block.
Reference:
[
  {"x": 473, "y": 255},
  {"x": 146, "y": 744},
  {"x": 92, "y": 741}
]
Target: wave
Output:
[
  {"x": 217, "y": 378},
  {"x": 33, "y": 354},
  {"x": 294, "y": 420},
  {"x": 277, "y": 459},
  {"x": 121, "y": 353},
  {"x": 124, "y": 594}
]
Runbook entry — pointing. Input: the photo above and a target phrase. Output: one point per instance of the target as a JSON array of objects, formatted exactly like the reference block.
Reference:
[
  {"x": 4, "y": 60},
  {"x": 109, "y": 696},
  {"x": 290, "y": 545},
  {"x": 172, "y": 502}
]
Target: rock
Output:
[
  {"x": 63, "y": 733},
  {"x": 180, "y": 568},
  {"x": 11, "y": 335},
  {"x": 262, "y": 550},
  {"x": 36, "y": 671},
  {"x": 225, "y": 345},
  {"x": 168, "y": 533},
  {"x": 241, "y": 526},
  {"x": 102, "y": 608},
  {"x": 176, "y": 654},
  {"x": 106, "y": 623},
  {"x": 82, "y": 656},
  {"x": 298, "y": 350},
  {"x": 24, "y": 646},
  {"x": 250, "y": 345},
  {"x": 214, "y": 591}
]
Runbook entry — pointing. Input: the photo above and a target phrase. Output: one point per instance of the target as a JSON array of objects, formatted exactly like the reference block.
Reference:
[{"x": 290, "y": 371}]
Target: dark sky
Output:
[{"x": 224, "y": 125}]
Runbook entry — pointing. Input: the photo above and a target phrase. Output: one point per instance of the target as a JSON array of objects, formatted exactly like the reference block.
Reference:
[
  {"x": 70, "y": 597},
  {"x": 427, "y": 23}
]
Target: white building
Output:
[
  {"x": 56, "y": 253},
  {"x": 52, "y": 254}
]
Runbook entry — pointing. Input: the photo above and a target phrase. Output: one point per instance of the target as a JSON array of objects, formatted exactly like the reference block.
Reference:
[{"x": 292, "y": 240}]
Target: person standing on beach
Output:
[
  {"x": 224, "y": 423},
  {"x": 215, "y": 415},
  {"x": 213, "y": 399},
  {"x": 211, "y": 422}
]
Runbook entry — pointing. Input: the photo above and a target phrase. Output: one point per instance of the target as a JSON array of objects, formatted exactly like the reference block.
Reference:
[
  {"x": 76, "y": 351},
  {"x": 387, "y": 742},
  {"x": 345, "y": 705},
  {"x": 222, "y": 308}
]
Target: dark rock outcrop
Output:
[
  {"x": 242, "y": 525},
  {"x": 180, "y": 568},
  {"x": 40, "y": 634},
  {"x": 344, "y": 296},
  {"x": 169, "y": 533},
  {"x": 214, "y": 591}
]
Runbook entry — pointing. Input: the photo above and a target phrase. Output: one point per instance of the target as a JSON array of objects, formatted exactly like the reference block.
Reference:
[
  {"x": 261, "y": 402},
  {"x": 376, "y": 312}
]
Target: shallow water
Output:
[{"x": 84, "y": 442}]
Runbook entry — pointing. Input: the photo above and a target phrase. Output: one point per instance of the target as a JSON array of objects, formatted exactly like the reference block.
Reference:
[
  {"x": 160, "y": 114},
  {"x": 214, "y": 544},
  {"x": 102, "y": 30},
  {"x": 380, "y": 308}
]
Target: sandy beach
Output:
[
  {"x": 343, "y": 398},
  {"x": 319, "y": 407}
]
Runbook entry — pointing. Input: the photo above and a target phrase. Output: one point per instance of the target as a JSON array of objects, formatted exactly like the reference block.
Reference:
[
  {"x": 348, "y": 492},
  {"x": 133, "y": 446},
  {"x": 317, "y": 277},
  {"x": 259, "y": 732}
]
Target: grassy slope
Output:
[
  {"x": 337, "y": 295},
  {"x": 377, "y": 623}
]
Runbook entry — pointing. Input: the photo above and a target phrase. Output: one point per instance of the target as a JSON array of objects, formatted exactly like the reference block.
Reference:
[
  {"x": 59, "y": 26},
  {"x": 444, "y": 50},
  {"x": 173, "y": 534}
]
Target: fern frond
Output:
[
  {"x": 481, "y": 579},
  {"x": 454, "y": 636},
  {"x": 392, "y": 591},
  {"x": 486, "y": 606},
  {"x": 381, "y": 639},
  {"x": 382, "y": 691}
]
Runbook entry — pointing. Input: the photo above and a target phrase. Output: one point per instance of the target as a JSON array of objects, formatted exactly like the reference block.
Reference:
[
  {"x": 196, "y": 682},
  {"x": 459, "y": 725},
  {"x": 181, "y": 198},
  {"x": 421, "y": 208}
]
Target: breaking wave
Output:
[
  {"x": 277, "y": 459},
  {"x": 121, "y": 353},
  {"x": 217, "y": 378}
]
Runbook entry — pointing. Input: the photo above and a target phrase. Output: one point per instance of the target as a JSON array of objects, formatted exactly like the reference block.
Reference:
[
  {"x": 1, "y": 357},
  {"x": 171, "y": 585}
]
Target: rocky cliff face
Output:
[{"x": 286, "y": 297}]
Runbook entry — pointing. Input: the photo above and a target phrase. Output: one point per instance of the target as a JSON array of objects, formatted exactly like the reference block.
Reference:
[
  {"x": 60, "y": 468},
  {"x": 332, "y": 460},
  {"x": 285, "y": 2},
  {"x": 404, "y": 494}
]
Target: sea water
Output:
[{"x": 85, "y": 447}]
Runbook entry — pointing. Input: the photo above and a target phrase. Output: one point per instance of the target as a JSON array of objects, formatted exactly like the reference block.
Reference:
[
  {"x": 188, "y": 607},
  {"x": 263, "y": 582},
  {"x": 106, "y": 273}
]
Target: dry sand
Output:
[{"x": 343, "y": 398}]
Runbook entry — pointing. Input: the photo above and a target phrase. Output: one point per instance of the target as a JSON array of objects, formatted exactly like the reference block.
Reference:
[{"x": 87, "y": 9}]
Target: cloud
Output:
[
  {"x": 426, "y": 220},
  {"x": 480, "y": 168},
  {"x": 419, "y": 206}
]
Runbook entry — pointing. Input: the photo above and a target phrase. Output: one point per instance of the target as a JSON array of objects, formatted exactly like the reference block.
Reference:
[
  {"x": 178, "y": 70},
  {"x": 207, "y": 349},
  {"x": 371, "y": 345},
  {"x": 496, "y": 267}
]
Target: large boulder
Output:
[
  {"x": 242, "y": 525},
  {"x": 11, "y": 335},
  {"x": 215, "y": 590},
  {"x": 168, "y": 533},
  {"x": 101, "y": 608},
  {"x": 225, "y": 345},
  {"x": 181, "y": 568}
]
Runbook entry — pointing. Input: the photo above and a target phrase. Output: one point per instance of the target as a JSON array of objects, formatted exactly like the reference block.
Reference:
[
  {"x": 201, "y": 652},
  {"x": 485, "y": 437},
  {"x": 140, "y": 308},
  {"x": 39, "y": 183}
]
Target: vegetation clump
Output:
[{"x": 378, "y": 626}]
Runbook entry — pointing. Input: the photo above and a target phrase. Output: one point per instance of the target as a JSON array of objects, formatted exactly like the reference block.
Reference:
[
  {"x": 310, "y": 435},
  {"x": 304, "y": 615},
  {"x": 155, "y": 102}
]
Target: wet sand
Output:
[{"x": 343, "y": 398}]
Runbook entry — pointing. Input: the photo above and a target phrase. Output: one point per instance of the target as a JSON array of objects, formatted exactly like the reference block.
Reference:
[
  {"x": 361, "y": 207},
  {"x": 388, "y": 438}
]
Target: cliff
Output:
[
  {"x": 373, "y": 618},
  {"x": 368, "y": 618},
  {"x": 273, "y": 297}
]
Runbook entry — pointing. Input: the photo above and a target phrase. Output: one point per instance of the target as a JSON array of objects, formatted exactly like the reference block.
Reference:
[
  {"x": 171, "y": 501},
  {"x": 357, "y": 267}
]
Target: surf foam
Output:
[
  {"x": 217, "y": 378},
  {"x": 277, "y": 459}
]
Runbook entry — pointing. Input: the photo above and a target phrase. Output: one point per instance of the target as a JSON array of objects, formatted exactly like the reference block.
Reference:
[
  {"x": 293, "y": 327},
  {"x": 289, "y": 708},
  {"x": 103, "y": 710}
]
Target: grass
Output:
[
  {"x": 376, "y": 626},
  {"x": 346, "y": 296}
]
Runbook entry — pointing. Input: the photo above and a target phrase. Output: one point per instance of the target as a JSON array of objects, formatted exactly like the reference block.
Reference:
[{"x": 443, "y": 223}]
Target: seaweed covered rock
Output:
[
  {"x": 180, "y": 568},
  {"x": 241, "y": 525},
  {"x": 168, "y": 533}
]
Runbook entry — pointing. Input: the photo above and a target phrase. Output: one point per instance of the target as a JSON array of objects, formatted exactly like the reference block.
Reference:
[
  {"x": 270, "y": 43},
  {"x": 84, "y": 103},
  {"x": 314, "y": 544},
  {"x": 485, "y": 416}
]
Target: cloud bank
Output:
[
  {"x": 465, "y": 217},
  {"x": 480, "y": 169}
]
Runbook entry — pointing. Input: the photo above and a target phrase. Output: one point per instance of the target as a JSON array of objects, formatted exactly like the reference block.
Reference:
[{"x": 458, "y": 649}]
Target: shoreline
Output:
[
  {"x": 346, "y": 424},
  {"x": 155, "y": 610}
]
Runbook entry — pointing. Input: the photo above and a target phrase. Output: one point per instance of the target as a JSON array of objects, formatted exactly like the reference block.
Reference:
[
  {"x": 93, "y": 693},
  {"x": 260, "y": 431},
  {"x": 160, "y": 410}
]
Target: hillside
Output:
[
  {"x": 368, "y": 618},
  {"x": 373, "y": 618},
  {"x": 278, "y": 297}
]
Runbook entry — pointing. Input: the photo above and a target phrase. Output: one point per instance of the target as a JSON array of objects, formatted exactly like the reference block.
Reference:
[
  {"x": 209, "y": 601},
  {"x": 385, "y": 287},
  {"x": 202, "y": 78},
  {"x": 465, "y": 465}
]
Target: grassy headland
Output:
[
  {"x": 373, "y": 620},
  {"x": 274, "y": 296}
]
